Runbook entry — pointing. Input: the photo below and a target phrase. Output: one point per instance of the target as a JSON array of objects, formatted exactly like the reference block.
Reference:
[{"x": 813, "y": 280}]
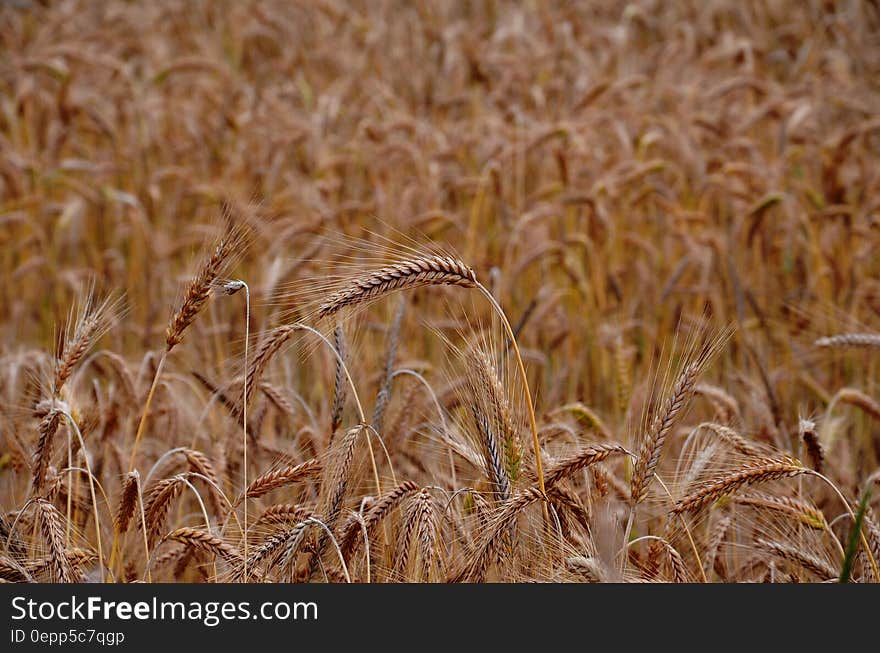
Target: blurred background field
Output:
[{"x": 621, "y": 175}]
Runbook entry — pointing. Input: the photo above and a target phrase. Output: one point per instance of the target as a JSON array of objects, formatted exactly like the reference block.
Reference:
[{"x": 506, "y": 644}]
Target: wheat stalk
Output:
[{"x": 433, "y": 270}]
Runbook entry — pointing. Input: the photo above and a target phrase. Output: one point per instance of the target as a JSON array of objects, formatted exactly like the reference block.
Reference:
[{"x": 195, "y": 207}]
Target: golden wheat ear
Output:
[
  {"x": 760, "y": 470},
  {"x": 669, "y": 413},
  {"x": 208, "y": 278},
  {"x": 413, "y": 273},
  {"x": 435, "y": 269},
  {"x": 90, "y": 319}
]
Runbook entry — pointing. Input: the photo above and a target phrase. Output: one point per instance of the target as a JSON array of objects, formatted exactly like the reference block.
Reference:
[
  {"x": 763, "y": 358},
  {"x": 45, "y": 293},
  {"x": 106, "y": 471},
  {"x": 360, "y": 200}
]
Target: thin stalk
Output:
[
  {"x": 137, "y": 438},
  {"x": 852, "y": 516},
  {"x": 144, "y": 527},
  {"x": 244, "y": 406},
  {"x": 140, "y": 430},
  {"x": 85, "y": 456},
  {"x": 433, "y": 395},
  {"x": 315, "y": 520},
  {"x": 357, "y": 400}
]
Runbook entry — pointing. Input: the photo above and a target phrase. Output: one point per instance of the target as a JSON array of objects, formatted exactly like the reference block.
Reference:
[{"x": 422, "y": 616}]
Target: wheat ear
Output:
[
  {"x": 587, "y": 456},
  {"x": 652, "y": 444},
  {"x": 127, "y": 502},
  {"x": 800, "y": 557},
  {"x": 196, "y": 297},
  {"x": 489, "y": 545},
  {"x": 206, "y": 542},
  {"x": 759, "y": 471},
  {"x": 422, "y": 271},
  {"x": 339, "y": 387},
  {"x": 806, "y": 513},
  {"x": 53, "y": 534},
  {"x": 374, "y": 516},
  {"x": 278, "y": 478},
  {"x": 486, "y": 375},
  {"x": 810, "y": 438},
  {"x": 849, "y": 340},
  {"x": 434, "y": 270}
]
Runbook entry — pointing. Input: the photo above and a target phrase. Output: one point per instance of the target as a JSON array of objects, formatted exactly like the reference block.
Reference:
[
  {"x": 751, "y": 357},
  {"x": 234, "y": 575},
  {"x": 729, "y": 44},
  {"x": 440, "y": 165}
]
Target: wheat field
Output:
[{"x": 384, "y": 291}]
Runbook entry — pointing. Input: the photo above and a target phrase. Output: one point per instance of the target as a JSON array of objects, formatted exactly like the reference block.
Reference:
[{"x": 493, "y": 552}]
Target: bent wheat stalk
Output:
[
  {"x": 425, "y": 271},
  {"x": 765, "y": 469}
]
